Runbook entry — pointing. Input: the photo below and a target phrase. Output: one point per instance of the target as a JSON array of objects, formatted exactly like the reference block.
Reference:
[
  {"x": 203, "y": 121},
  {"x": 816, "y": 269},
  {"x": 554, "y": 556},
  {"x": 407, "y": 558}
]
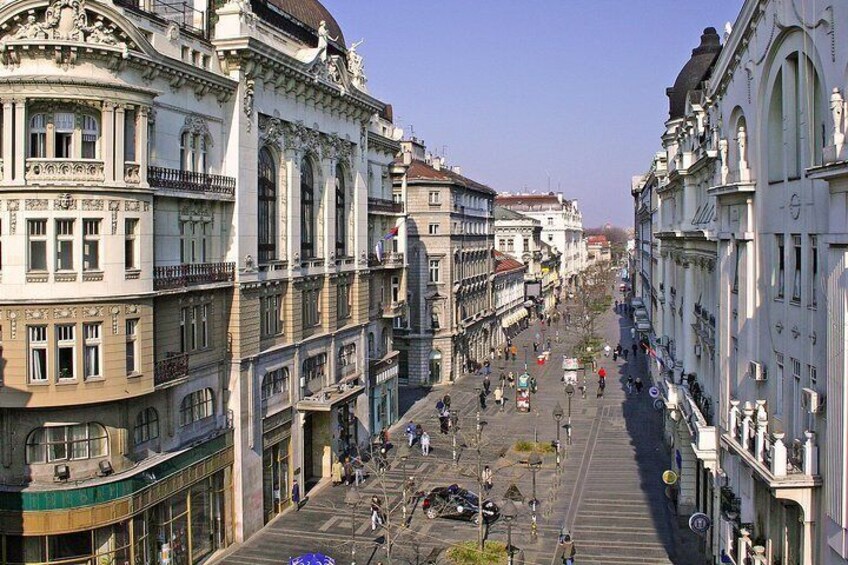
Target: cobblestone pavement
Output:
[{"x": 609, "y": 494}]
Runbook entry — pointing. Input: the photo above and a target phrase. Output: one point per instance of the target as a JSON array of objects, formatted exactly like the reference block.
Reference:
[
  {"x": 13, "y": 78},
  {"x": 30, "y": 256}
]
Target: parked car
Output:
[{"x": 457, "y": 503}]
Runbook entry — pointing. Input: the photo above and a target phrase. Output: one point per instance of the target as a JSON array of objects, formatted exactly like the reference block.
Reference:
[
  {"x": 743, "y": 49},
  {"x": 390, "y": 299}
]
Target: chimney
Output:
[
  {"x": 437, "y": 163},
  {"x": 414, "y": 146},
  {"x": 456, "y": 169}
]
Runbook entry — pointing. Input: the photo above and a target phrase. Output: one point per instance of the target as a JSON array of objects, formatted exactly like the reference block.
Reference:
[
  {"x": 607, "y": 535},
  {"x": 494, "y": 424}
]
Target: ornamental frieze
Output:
[
  {"x": 89, "y": 205},
  {"x": 68, "y": 20}
]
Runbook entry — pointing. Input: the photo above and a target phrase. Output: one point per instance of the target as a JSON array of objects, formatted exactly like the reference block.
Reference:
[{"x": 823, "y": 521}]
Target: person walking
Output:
[
  {"x": 602, "y": 384},
  {"x": 566, "y": 551},
  {"x": 535, "y": 346},
  {"x": 487, "y": 384},
  {"x": 418, "y": 432},
  {"x": 482, "y": 398},
  {"x": 447, "y": 401},
  {"x": 295, "y": 495},
  {"x": 348, "y": 471},
  {"x": 376, "y": 513},
  {"x": 602, "y": 373},
  {"x": 607, "y": 350},
  {"x": 384, "y": 438},
  {"x": 624, "y": 352},
  {"x": 511, "y": 378},
  {"x": 358, "y": 472},
  {"x": 487, "y": 479},
  {"x": 499, "y": 398},
  {"x": 639, "y": 385},
  {"x": 633, "y": 334},
  {"x": 337, "y": 471},
  {"x": 633, "y": 349},
  {"x": 630, "y": 384},
  {"x": 410, "y": 432},
  {"x": 425, "y": 444}
]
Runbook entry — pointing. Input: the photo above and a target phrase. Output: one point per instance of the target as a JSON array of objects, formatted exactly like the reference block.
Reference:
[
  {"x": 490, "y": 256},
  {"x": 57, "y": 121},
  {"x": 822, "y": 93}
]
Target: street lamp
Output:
[
  {"x": 535, "y": 463},
  {"x": 569, "y": 392},
  {"x": 558, "y": 414},
  {"x": 509, "y": 512},
  {"x": 352, "y": 499},
  {"x": 403, "y": 455},
  {"x": 454, "y": 419}
]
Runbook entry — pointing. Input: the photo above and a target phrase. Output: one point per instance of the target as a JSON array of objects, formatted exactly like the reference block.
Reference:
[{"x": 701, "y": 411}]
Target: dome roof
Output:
[
  {"x": 306, "y": 14},
  {"x": 693, "y": 73}
]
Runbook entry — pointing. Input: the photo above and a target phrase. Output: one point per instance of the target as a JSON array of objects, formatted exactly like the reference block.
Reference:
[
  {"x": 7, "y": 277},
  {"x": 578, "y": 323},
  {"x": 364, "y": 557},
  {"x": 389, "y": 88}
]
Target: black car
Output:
[{"x": 457, "y": 503}]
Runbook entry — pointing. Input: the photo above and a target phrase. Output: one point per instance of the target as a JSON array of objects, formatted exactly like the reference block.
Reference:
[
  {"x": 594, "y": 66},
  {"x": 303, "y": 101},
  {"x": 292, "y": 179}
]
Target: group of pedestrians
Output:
[
  {"x": 349, "y": 472},
  {"x": 415, "y": 433}
]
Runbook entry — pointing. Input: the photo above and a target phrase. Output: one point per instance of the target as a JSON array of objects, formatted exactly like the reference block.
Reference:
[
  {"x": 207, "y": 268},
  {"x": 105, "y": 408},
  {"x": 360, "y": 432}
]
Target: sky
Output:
[{"x": 530, "y": 94}]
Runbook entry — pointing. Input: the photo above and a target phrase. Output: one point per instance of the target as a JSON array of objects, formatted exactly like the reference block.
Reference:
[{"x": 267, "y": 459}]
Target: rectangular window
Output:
[
  {"x": 129, "y": 135},
  {"x": 192, "y": 329},
  {"x": 510, "y": 245},
  {"x": 37, "y": 245},
  {"x": 91, "y": 245},
  {"x": 502, "y": 244},
  {"x": 796, "y": 281},
  {"x": 435, "y": 271},
  {"x": 65, "y": 352},
  {"x": 343, "y": 295},
  {"x": 778, "y": 400},
  {"x": 525, "y": 245},
  {"x": 812, "y": 373},
  {"x": 814, "y": 270},
  {"x": 204, "y": 325},
  {"x": 796, "y": 398},
  {"x": 37, "y": 345},
  {"x": 311, "y": 307},
  {"x": 38, "y": 136},
  {"x": 131, "y": 244},
  {"x": 435, "y": 197},
  {"x": 91, "y": 352},
  {"x": 63, "y": 128},
  {"x": 270, "y": 311},
  {"x": 132, "y": 346},
  {"x": 90, "y": 133},
  {"x": 395, "y": 289},
  {"x": 64, "y": 245},
  {"x": 433, "y": 229},
  {"x": 780, "y": 283},
  {"x": 736, "y": 260}
]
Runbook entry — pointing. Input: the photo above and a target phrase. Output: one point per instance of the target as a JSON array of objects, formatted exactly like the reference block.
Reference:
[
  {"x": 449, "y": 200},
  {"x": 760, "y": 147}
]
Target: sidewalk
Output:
[{"x": 609, "y": 494}]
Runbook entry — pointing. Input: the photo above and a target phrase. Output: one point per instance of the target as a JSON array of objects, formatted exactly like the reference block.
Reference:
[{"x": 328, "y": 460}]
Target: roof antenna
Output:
[{"x": 445, "y": 152}]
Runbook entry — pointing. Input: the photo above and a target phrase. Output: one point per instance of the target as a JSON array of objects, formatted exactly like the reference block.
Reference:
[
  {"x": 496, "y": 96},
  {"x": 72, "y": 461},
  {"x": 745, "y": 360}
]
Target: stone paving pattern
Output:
[{"x": 609, "y": 494}]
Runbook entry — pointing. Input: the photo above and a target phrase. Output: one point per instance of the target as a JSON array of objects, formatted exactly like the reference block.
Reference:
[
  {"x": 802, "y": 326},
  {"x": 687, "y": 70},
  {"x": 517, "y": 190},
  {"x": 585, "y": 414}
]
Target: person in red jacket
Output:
[{"x": 602, "y": 373}]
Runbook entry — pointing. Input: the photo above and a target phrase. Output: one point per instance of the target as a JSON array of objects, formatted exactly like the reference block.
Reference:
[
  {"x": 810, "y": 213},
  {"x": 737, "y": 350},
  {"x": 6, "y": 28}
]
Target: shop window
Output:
[
  {"x": 146, "y": 426},
  {"x": 63, "y": 443},
  {"x": 196, "y": 406}
]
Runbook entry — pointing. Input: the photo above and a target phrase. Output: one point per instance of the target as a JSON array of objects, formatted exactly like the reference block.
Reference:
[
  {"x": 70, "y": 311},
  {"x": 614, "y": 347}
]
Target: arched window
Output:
[
  {"x": 267, "y": 197},
  {"x": 307, "y": 210},
  {"x": 196, "y": 406},
  {"x": 341, "y": 216},
  {"x": 193, "y": 148},
  {"x": 435, "y": 366},
  {"x": 275, "y": 382},
  {"x": 146, "y": 426},
  {"x": 67, "y": 443}
]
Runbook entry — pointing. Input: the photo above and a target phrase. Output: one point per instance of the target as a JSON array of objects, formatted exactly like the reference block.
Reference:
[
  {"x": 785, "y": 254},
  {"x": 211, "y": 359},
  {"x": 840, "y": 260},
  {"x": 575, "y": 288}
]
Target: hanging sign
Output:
[
  {"x": 699, "y": 523},
  {"x": 669, "y": 477},
  {"x": 654, "y": 392}
]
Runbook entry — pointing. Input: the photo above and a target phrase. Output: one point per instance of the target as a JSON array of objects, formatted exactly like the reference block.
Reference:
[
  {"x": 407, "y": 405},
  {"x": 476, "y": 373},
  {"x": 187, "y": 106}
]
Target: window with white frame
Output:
[
  {"x": 37, "y": 353},
  {"x": 796, "y": 398},
  {"x": 131, "y": 327},
  {"x": 395, "y": 289},
  {"x": 197, "y": 406},
  {"x": 780, "y": 282},
  {"x": 194, "y": 328},
  {"x": 66, "y": 352},
  {"x": 131, "y": 244},
  {"x": 66, "y": 134},
  {"x": 36, "y": 245},
  {"x": 435, "y": 197},
  {"x": 194, "y": 241},
  {"x": 193, "y": 152},
  {"x": 63, "y": 134},
  {"x": 129, "y": 135},
  {"x": 812, "y": 374},
  {"x": 92, "y": 350},
  {"x": 64, "y": 245},
  {"x": 91, "y": 245},
  {"x": 67, "y": 443},
  {"x": 270, "y": 312},
  {"x": 311, "y": 307},
  {"x": 435, "y": 270},
  {"x": 433, "y": 229}
]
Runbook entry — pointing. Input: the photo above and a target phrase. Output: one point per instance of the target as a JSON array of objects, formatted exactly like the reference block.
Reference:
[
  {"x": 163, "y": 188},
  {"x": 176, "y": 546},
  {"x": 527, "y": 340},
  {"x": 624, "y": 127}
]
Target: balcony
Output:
[
  {"x": 193, "y": 274},
  {"x": 390, "y": 261},
  {"x": 74, "y": 171},
  {"x": 190, "y": 182},
  {"x": 170, "y": 370},
  {"x": 384, "y": 206},
  {"x": 780, "y": 467},
  {"x": 393, "y": 309},
  {"x": 324, "y": 399}
]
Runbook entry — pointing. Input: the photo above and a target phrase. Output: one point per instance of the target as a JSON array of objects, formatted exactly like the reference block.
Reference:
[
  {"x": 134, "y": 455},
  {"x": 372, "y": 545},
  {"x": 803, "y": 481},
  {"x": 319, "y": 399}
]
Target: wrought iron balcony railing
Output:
[
  {"x": 191, "y": 274},
  {"x": 189, "y": 181},
  {"x": 384, "y": 205},
  {"x": 170, "y": 369}
]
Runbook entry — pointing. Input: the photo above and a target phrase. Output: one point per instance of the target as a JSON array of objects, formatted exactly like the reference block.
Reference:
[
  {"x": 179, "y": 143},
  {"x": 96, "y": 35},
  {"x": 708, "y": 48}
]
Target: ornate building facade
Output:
[
  {"x": 185, "y": 225},
  {"x": 757, "y": 369},
  {"x": 450, "y": 226}
]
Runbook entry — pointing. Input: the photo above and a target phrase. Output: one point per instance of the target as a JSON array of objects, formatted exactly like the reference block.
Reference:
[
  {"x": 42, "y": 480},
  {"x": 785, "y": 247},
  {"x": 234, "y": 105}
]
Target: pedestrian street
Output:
[{"x": 609, "y": 493}]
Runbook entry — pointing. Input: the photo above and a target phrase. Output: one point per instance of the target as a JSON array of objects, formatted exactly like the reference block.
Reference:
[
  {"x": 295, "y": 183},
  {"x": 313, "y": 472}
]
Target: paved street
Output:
[{"x": 609, "y": 495}]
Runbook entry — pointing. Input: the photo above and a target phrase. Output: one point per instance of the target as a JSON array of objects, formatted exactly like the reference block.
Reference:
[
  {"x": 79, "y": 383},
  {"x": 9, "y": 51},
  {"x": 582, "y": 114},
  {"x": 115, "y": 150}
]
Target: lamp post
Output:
[
  {"x": 352, "y": 499},
  {"x": 569, "y": 392},
  {"x": 535, "y": 463},
  {"x": 558, "y": 414},
  {"x": 509, "y": 512},
  {"x": 403, "y": 454},
  {"x": 454, "y": 418}
]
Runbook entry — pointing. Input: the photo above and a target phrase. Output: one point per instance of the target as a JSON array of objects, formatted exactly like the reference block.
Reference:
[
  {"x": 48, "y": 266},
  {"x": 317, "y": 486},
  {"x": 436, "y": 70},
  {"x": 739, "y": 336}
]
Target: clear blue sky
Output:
[{"x": 517, "y": 90}]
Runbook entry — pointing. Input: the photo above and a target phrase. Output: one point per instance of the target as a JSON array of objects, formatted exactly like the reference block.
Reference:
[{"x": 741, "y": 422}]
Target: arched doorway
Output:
[{"x": 435, "y": 366}]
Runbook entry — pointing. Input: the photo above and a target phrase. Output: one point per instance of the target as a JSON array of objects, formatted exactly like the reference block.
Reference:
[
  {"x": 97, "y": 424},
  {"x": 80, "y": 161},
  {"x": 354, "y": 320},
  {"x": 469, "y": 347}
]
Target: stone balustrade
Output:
[{"x": 64, "y": 170}]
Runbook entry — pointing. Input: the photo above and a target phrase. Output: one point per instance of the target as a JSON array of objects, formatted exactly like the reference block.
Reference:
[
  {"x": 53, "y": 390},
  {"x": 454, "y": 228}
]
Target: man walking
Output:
[
  {"x": 296, "y": 495},
  {"x": 425, "y": 444},
  {"x": 602, "y": 384},
  {"x": 487, "y": 479},
  {"x": 482, "y": 399},
  {"x": 376, "y": 513},
  {"x": 487, "y": 384},
  {"x": 639, "y": 385},
  {"x": 410, "y": 432},
  {"x": 566, "y": 551},
  {"x": 499, "y": 397}
]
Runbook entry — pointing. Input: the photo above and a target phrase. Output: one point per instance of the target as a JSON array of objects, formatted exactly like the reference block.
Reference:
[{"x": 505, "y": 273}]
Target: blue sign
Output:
[
  {"x": 312, "y": 559},
  {"x": 678, "y": 458},
  {"x": 699, "y": 523}
]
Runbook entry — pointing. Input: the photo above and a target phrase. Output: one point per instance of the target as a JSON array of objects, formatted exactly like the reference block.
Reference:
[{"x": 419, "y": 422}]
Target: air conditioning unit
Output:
[
  {"x": 697, "y": 350},
  {"x": 810, "y": 400},
  {"x": 756, "y": 371}
]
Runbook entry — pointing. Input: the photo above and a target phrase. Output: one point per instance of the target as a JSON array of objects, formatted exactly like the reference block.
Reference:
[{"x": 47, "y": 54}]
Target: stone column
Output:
[
  {"x": 141, "y": 144},
  {"x": 8, "y": 140},
  {"x": 293, "y": 209},
  {"x": 120, "y": 116},
  {"x": 107, "y": 142},
  {"x": 20, "y": 138}
]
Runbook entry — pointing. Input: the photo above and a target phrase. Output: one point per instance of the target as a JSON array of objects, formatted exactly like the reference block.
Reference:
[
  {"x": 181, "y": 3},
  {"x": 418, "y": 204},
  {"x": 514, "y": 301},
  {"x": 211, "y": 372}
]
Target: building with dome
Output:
[
  {"x": 747, "y": 285},
  {"x": 185, "y": 317}
]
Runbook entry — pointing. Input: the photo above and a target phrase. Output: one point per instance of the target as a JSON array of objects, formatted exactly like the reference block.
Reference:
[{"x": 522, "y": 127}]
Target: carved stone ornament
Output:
[
  {"x": 67, "y": 20},
  {"x": 247, "y": 103},
  {"x": 90, "y": 205},
  {"x": 335, "y": 147},
  {"x": 795, "y": 206},
  {"x": 197, "y": 125},
  {"x": 301, "y": 138},
  {"x": 65, "y": 201},
  {"x": 35, "y": 204},
  {"x": 271, "y": 129},
  {"x": 64, "y": 312}
]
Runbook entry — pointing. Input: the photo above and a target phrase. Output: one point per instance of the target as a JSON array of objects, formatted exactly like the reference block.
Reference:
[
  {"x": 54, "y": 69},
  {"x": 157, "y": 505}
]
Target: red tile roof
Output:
[
  {"x": 423, "y": 171},
  {"x": 505, "y": 264},
  {"x": 598, "y": 240},
  {"x": 507, "y": 199}
]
